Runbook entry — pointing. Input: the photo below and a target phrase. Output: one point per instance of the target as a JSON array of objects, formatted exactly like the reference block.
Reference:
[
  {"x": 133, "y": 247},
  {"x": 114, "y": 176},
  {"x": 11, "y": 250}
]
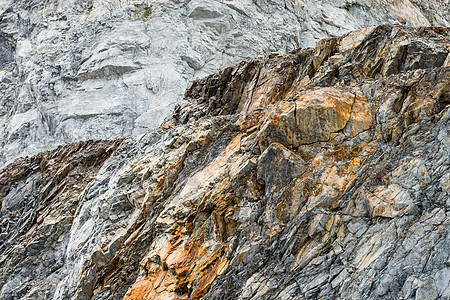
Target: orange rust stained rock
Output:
[
  {"x": 160, "y": 285},
  {"x": 319, "y": 113},
  {"x": 139, "y": 290},
  {"x": 208, "y": 277},
  {"x": 279, "y": 126},
  {"x": 192, "y": 266},
  {"x": 193, "y": 259}
]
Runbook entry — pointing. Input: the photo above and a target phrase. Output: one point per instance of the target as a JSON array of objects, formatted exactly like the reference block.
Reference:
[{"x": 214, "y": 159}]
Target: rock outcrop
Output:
[
  {"x": 74, "y": 70},
  {"x": 320, "y": 174},
  {"x": 39, "y": 198}
]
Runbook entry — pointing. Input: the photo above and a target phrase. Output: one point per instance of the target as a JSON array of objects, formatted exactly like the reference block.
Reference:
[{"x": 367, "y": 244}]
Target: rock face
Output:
[
  {"x": 39, "y": 198},
  {"x": 74, "y": 70},
  {"x": 321, "y": 174}
]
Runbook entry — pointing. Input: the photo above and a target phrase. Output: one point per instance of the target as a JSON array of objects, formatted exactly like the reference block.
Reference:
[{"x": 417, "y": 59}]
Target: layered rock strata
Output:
[
  {"x": 74, "y": 70},
  {"x": 39, "y": 197},
  {"x": 321, "y": 174}
]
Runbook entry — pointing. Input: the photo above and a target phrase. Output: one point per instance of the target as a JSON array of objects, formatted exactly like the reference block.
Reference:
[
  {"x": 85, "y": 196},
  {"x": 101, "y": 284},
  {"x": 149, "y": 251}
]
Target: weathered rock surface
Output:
[
  {"x": 323, "y": 173},
  {"x": 39, "y": 198},
  {"x": 74, "y": 70}
]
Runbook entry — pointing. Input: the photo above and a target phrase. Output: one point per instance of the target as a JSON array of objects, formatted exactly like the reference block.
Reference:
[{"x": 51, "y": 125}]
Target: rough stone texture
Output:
[
  {"x": 321, "y": 174},
  {"x": 39, "y": 197},
  {"x": 73, "y": 70}
]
